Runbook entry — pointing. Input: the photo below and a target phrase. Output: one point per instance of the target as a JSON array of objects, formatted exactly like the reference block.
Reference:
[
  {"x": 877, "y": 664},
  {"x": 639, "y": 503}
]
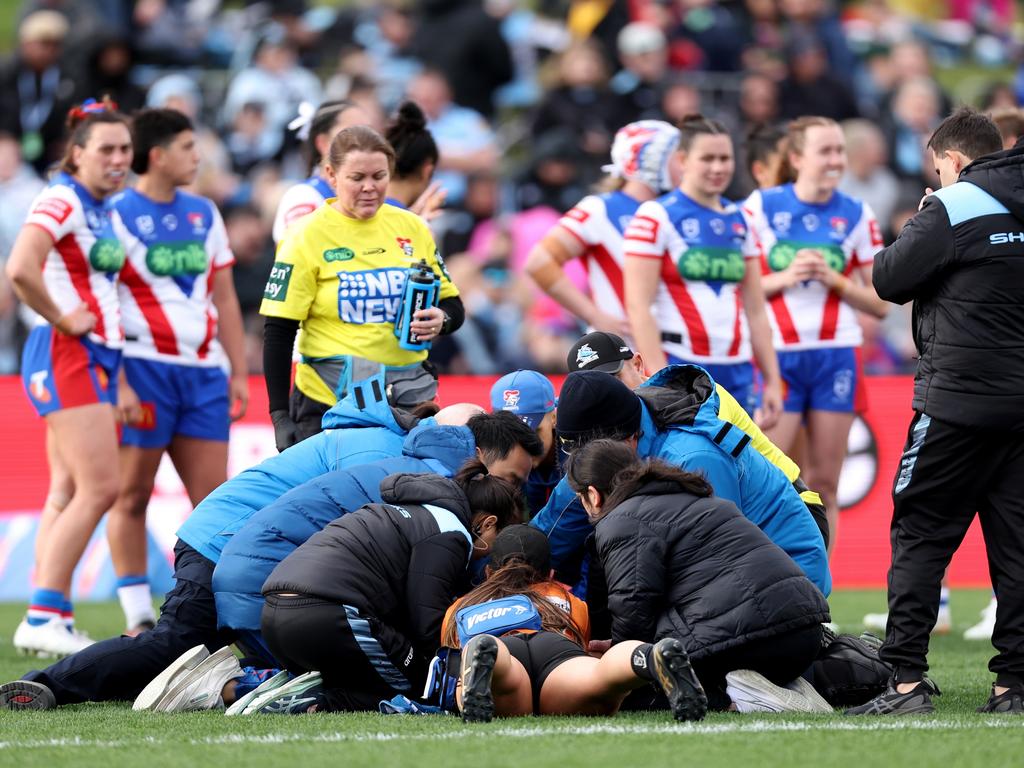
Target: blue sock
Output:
[
  {"x": 252, "y": 679},
  {"x": 131, "y": 580},
  {"x": 46, "y": 604}
]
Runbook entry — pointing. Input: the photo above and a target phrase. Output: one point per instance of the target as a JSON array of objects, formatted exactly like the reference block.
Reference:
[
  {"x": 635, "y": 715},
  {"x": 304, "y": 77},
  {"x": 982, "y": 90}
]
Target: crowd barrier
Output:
[{"x": 861, "y": 556}]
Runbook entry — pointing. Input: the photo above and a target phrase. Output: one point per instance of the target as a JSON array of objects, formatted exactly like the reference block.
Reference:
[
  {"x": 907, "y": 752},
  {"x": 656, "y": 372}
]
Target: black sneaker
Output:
[
  {"x": 1010, "y": 701},
  {"x": 917, "y": 702},
  {"x": 686, "y": 697},
  {"x": 24, "y": 694},
  {"x": 478, "y": 659}
]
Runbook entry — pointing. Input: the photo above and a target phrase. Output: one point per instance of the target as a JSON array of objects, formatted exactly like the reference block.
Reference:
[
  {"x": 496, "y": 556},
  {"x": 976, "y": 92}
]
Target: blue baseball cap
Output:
[{"x": 527, "y": 394}]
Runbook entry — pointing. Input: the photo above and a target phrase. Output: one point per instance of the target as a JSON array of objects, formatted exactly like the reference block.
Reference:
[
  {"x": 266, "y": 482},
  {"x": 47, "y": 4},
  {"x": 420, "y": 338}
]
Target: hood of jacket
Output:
[
  {"x": 675, "y": 394},
  {"x": 448, "y": 445},
  {"x": 426, "y": 489},
  {"x": 359, "y": 408},
  {"x": 1001, "y": 175}
]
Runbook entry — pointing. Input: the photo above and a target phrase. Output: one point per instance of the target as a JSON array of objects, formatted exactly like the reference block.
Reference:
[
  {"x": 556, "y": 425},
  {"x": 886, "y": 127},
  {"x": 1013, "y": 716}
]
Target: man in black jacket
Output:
[{"x": 961, "y": 261}]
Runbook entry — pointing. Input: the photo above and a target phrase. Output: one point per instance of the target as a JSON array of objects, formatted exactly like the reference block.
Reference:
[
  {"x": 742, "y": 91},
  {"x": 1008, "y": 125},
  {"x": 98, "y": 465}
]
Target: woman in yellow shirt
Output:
[{"x": 340, "y": 274}]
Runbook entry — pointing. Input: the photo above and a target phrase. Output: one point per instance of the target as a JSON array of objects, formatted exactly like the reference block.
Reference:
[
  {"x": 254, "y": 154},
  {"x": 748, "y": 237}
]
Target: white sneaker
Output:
[
  {"x": 162, "y": 684},
  {"x": 200, "y": 688},
  {"x": 52, "y": 639},
  {"x": 752, "y": 692},
  {"x": 269, "y": 684},
  {"x": 294, "y": 697},
  {"x": 984, "y": 628},
  {"x": 810, "y": 693},
  {"x": 943, "y": 622}
]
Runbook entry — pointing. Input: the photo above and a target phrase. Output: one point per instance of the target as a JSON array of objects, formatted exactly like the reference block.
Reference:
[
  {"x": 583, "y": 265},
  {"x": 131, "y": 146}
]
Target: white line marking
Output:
[{"x": 669, "y": 729}]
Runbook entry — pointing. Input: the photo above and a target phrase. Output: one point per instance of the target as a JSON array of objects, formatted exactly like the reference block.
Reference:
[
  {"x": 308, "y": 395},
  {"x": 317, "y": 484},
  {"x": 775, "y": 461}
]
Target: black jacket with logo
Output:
[
  {"x": 961, "y": 261},
  {"x": 396, "y": 561}
]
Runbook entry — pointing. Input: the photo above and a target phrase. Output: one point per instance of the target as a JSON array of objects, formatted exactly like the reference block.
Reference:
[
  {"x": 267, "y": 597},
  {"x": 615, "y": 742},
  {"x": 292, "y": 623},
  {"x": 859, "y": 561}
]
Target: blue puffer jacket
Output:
[
  {"x": 276, "y": 531},
  {"x": 680, "y": 424},
  {"x": 354, "y": 435}
]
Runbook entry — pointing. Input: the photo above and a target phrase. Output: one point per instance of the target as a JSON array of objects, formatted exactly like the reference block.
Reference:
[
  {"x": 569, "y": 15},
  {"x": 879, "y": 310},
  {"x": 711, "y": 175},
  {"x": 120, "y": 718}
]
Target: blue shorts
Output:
[
  {"x": 737, "y": 378},
  {"x": 820, "y": 380},
  {"x": 184, "y": 400},
  {"x": 61, "y": 371}
]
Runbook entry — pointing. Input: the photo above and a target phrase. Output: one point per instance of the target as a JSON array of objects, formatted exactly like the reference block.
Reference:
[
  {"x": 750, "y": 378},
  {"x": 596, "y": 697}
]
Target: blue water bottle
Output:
[{"x": 421, "y": 292}]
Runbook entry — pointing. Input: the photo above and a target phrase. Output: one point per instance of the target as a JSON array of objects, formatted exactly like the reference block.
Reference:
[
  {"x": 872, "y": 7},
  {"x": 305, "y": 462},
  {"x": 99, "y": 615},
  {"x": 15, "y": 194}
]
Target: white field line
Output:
[{"x": 669, "y": 729}]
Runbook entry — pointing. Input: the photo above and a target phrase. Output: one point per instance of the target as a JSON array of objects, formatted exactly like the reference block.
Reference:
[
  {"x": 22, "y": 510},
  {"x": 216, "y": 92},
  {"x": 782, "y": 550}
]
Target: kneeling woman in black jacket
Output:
[
  {"x": 361, "y": 602},
  {"x": 682, "y": 563}
]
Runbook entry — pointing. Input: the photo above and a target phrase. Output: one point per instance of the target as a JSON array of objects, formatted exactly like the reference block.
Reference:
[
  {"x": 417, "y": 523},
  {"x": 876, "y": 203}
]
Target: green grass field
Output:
[{"x": 106, "y": 735}]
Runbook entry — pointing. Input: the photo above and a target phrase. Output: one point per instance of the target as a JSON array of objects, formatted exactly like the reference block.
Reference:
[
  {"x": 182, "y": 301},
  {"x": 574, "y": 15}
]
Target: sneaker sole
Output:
[
  {"x": 24, "y": 694},
  {"x": 271, "y": 684},
  {"x": 816, "y": 702},
  {"x": 293, "y": 685},
  {"x": 157, "y": 688},
  {"x": 477, "y": 669},
  {"x": 221, "y": 654},
  {"x": 773, "y": 699},
  {"x": 685, "y": 694}
]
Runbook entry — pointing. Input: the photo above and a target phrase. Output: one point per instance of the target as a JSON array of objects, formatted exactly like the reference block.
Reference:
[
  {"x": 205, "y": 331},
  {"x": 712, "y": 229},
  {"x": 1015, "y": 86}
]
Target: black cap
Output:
[
  {"x": 595, "y": 404},
  {"x": 522, "y": 541},
  {"x": 599, "y": 351}
]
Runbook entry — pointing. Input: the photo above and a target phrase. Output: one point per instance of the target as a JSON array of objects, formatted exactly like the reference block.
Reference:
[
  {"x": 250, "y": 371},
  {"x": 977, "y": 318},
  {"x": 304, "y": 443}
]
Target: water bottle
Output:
[{"x": 421, "y": 292}]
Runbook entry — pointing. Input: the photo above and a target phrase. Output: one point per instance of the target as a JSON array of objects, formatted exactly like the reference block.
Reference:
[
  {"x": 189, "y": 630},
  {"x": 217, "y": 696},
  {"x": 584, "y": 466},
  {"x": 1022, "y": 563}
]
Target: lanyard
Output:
[{"x": 36, "y": 104}]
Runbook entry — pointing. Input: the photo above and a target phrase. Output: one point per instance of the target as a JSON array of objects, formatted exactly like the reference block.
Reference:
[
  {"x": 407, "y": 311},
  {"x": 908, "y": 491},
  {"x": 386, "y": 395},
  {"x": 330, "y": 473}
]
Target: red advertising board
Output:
[{"x": 861, "y": 556}]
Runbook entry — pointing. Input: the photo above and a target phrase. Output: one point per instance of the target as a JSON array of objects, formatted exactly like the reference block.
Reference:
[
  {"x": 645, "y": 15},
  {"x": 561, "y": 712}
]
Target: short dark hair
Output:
[
  {"x": 967, "y": 131},
  {"x": 154, "y": 128},
  {"x": 490, "y": 495},
  {"x": 762, "y": 142},
  {"x": 496, "y": 434},
  {"x": 694, "y": 125}
]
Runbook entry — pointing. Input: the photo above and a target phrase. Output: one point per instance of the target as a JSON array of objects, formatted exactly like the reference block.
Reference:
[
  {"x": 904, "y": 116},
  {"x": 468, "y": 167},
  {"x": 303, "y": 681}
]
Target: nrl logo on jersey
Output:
[
  {"x": 782, "y": 221},
  {"x": 691, "y": 228},
  {"x": 586, "y": 355},
  {"x": 718, "y": 226},
  {"x": 170, "y": 222},
  {"x": 145, "y": 224},
  {"x": 405, "y": 244}
]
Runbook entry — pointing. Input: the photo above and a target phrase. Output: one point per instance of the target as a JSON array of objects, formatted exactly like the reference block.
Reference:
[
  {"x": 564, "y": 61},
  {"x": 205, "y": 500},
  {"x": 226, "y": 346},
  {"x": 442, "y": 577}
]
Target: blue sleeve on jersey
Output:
[{"x": 565, "y": 523}]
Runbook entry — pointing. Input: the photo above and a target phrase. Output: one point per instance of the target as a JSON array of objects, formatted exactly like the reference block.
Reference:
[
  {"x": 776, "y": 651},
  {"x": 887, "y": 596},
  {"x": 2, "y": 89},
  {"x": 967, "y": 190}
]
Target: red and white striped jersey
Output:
[
  {"x": 598, "y": 223},
  {"x": 83, "y": 264},
  {"x": 846, "y": 233},
  {"x": 173, "y": 251},
  {"x": 299, "y": 200},
  {"x": 704, "y": 255}
]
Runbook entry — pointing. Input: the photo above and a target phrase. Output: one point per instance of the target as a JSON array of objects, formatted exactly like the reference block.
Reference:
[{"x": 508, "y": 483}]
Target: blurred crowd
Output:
[{"x": 523, "y": 99}]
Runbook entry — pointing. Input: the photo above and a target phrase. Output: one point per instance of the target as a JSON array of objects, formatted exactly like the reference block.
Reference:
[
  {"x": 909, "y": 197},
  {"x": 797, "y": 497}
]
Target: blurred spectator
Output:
[
  {"x": 453, "y": 229},
  {"x": 998, "y": 95},
  {"x": 644, "y": 56},
  {"x": 758, "y": 102},
  {"x": 35, "y": 90},
  {"x": 599, "y": 21},
  {"x": 553, "y": 178},
  {"x": 387, "y": 35},
  {"x": 581, "y": 105},
  {"x": 109, "y": 73},
  {"x": 171, "y": 33},
  {"x": 679, "y": 98},
  {"x": 910, "y": 60},
  {"x": 817, "y": 20},
  {"x": 465, "y": 140},
  {"x": 810, "y": 88},
  {"x": 1010, "y": 122},
  {"x": 527, "y": 34},
  {"x": 249, "y": 238},
  {"x": 215, "y": 179},
  {"x": 867, "y": 177},
  {"x": 710, "y": 32},
  {"x": 907, "y": 127},
  {"x": 461, "y": 40},
  {"x": 19, "y": 186},
  {"x": 85, "y": 19},
  {"x": 762, "y": 41},
  {"x": 263, "y": 98}
]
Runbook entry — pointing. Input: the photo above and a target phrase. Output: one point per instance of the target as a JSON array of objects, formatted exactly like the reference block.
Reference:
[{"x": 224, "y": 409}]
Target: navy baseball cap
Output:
[{"x": 527, "y": 394}]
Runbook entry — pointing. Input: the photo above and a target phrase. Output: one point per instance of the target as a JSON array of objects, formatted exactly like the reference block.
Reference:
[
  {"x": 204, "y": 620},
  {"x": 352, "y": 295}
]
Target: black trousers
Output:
[
  {"x": 947, "y": 474},
  {"x": 362, "y": 660},
  {"x": 119, "y": 668}
]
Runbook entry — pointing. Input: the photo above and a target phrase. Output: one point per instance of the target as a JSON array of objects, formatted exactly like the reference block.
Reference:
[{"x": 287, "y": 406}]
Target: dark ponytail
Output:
[
  {"x": 414, "y": 145},
  {"x": 490, "y": 495},
  {"x": 694, "y": 125},
  {"x": 322, "y": 122}
]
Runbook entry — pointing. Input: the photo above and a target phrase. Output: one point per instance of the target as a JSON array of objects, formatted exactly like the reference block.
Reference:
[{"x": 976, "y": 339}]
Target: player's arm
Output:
[
  {"x": 761, "y": 344},
  {"x": 231, "y": 333},
  {"x": 25, "y": 271}
]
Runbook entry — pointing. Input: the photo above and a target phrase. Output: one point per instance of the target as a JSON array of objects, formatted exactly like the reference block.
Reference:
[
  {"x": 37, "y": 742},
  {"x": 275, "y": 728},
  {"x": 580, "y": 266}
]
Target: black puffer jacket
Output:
[
  {"x": 961, "y": 261},
  {"x": 398, "y": 561},
  {"x": 696, "y": 569}
]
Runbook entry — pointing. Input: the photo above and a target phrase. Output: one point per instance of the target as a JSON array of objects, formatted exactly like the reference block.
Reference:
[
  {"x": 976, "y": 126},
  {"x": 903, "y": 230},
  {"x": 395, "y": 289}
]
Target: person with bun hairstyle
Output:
[
  {"x": 592, "y": 230},
  {"x": 341, "y": 275},
  {"x": 817, "y": 245},
  {"x": 538, "y": 664},
  {"x": 416, "y": 157},
  {"x": 693, "y": 292},
  {"x": 316, "y": 127},
  {"x": 681, "y": 563},
  {"x": 64, "y": 266}
]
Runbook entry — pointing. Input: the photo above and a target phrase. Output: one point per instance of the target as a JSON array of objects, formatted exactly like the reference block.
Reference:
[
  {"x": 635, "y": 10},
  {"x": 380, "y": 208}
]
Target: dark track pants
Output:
[
  {"x": 361, "y": 659},
  {"x": 119, "y": 668},
  {"x": 947, "y": 474}
]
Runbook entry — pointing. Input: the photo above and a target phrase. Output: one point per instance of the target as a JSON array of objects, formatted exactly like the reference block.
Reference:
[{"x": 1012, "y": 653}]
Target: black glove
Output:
[{"x": 285, "y": 430}]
